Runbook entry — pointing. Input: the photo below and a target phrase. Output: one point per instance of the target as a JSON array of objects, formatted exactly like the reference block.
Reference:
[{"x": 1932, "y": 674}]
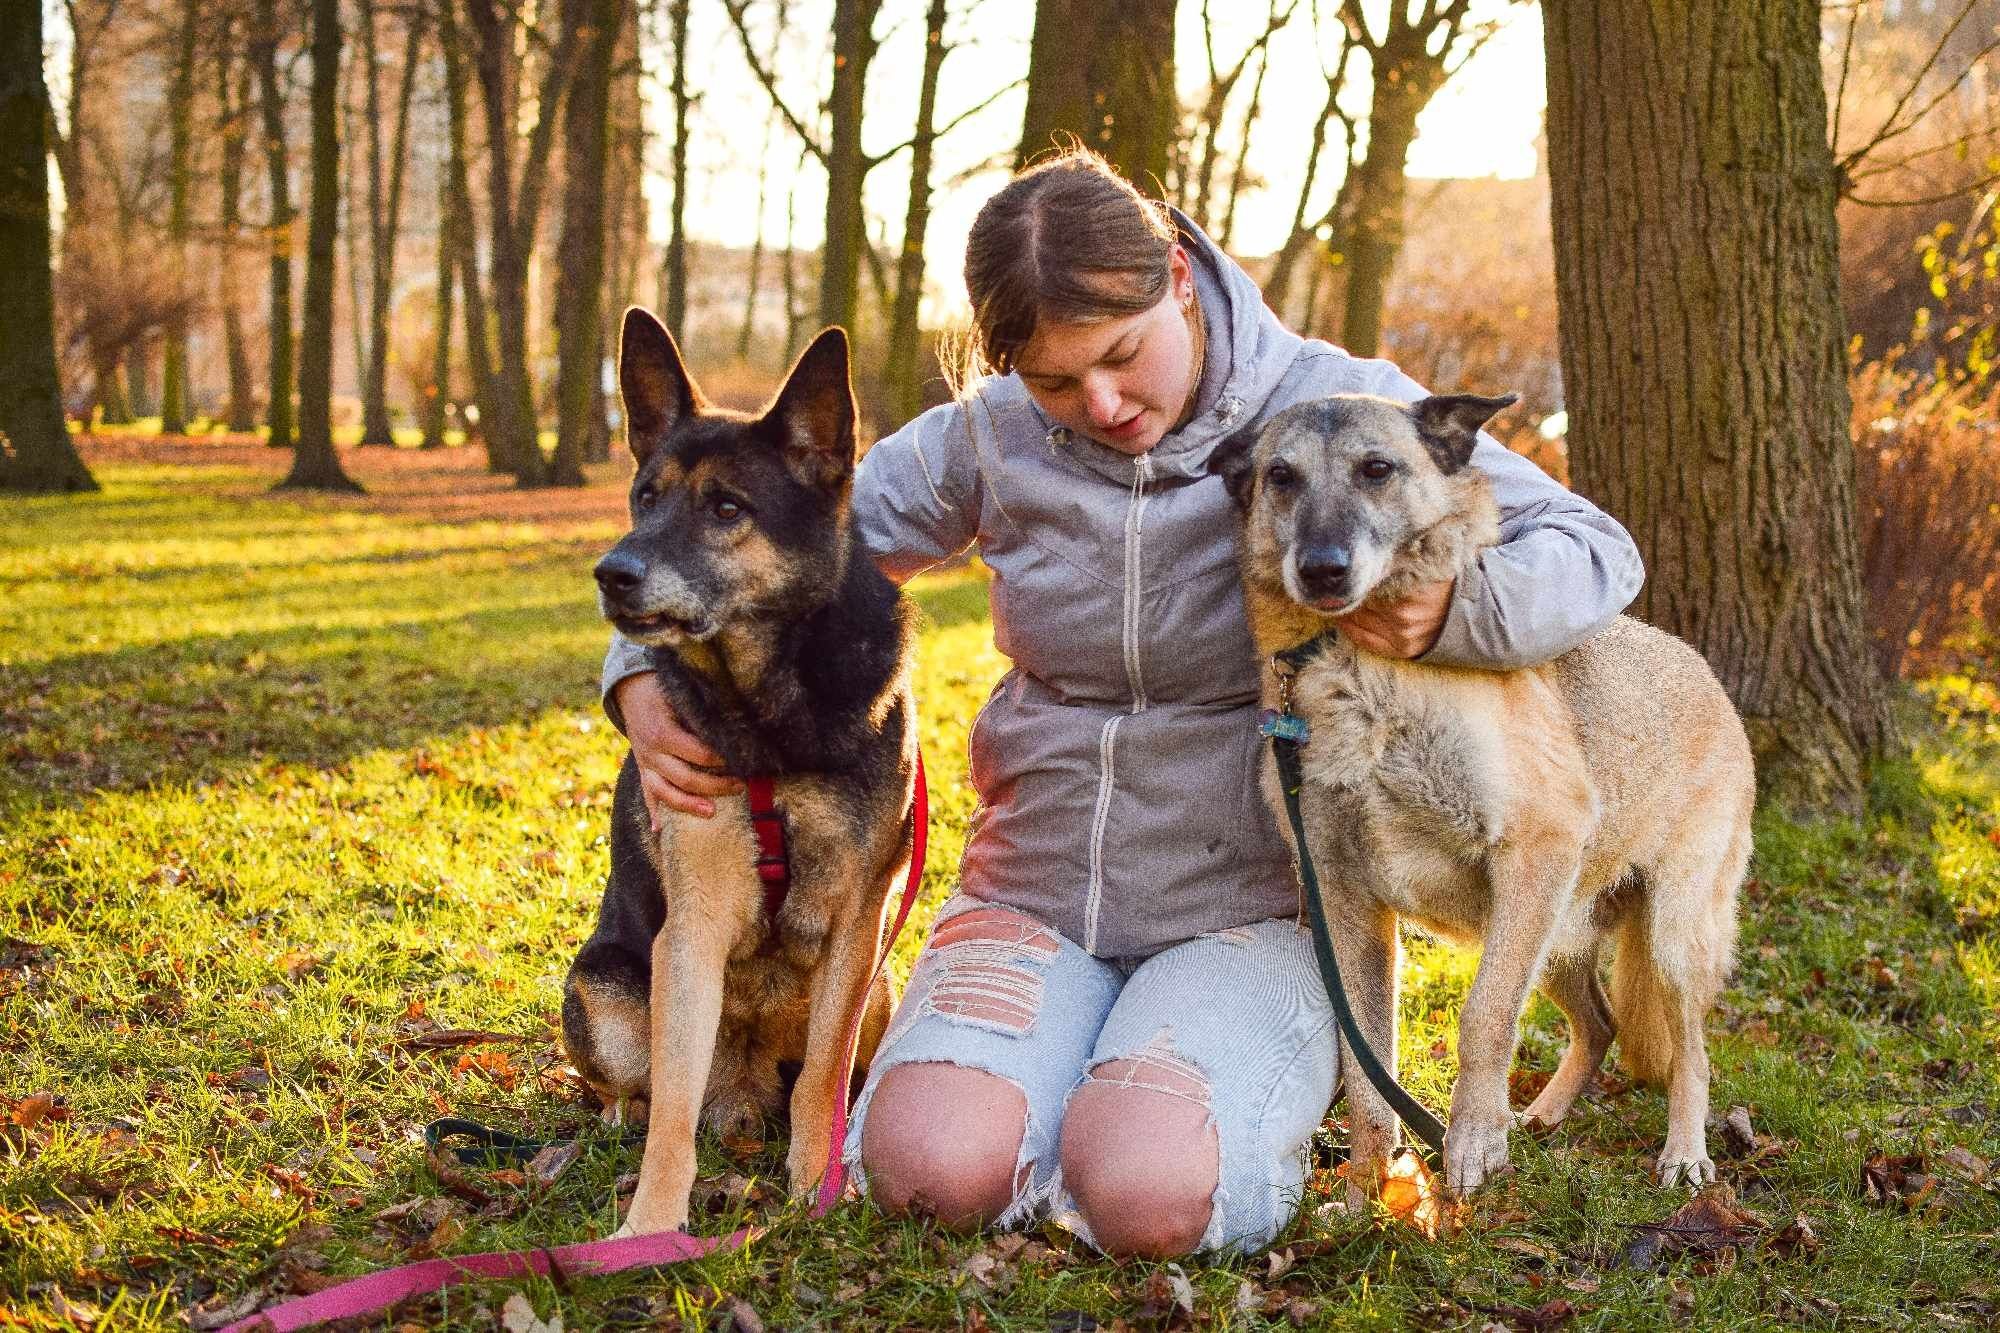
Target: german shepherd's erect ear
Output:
[
  {"x": 1448, "y": 424},
  {"x": 1231, "y": 461},
  {"x": 654, "y": 383},
  {"x": 814, "y": 414}
]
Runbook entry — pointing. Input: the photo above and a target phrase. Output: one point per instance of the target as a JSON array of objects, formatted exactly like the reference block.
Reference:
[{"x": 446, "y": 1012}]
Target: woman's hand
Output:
[
  {"x": 676, "y": 771},
  {"x": 1400, "y": 629}
]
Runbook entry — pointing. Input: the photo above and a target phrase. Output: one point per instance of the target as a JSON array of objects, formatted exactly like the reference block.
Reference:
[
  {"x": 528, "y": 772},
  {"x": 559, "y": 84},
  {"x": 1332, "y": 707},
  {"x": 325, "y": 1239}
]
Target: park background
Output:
[{"x": 305, "y": 316}]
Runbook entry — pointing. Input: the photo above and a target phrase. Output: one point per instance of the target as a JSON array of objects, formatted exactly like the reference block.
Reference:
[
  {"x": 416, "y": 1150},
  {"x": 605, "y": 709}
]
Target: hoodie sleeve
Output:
[
  {"x": 916, "y": 502},
  {"x": 1564, "y": 569},
  {"x": 916, "y": 494}
]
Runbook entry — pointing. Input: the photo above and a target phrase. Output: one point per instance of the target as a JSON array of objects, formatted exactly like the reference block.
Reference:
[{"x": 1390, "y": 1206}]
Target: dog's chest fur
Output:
[{"x": 1406, "y": 780}]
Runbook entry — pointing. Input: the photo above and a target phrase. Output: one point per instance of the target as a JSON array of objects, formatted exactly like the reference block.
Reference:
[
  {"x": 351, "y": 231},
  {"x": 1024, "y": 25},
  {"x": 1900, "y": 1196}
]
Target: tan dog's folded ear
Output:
[
  {"x": 1448, "y": 424},
  {"x": 1232, "y": 460}
]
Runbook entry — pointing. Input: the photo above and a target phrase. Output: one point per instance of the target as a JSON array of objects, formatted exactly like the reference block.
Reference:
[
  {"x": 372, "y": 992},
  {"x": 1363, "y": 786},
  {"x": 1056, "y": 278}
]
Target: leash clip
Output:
[{"x": 1281, "y": 723}]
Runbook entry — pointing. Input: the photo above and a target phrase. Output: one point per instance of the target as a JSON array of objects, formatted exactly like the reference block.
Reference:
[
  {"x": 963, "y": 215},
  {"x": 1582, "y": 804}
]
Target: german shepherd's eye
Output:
[
  {"x": 1377, "y": 469},
  {"x": 646, "y": 497},
  {"x": 726, "y": 509},
  {"x": 1280, "y": 475}
]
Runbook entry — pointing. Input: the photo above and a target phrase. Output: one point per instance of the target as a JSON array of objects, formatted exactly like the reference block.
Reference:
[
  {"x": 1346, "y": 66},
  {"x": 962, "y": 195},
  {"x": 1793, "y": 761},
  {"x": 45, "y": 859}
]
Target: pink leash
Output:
[{"x": 378, "y": 1291}]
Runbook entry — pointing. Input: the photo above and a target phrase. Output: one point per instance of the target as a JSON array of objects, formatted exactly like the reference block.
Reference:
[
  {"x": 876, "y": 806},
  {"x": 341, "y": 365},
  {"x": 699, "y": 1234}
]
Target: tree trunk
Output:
[
  {"x": 235, "y": 91},
  {"x": 756, "y": 278},
  {"x": 906, "y": 359},
  {"x": 264, "y": 51},
  {"x": 673, "y": 278},
  {"x": 1104, "y": 73},
  {"x": 580, "y": 252},
  {"x": 439, "y": 395},
  {"x": 515, "y": 216},
  {"x": 1692, "y": 200},
  {"x": 385, "y": 216},
  {"x": 465, "y": 246},
  {"x": 1374, "y": 223},
  {"x": 174, "y": 406},
  {"x": 36, "y": 453},
  {"x": 315, "y": 465},
  {"x": 846, "y": 166}
]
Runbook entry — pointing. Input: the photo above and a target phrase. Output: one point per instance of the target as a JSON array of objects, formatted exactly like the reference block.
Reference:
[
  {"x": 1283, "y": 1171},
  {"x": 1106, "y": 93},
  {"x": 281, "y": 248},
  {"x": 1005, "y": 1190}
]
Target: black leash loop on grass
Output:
[
  {"x": 1288, "y": 735},
  {"x": 492, "y": 1147}
]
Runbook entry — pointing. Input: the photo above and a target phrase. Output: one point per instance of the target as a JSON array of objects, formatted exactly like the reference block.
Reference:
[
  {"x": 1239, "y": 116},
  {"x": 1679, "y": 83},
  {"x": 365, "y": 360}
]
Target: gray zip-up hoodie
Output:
[{"x": 1116, "y": 763}]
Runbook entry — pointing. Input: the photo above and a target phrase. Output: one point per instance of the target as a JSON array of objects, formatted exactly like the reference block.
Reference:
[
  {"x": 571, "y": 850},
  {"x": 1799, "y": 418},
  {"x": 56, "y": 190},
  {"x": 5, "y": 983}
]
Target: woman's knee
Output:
[
  {"x": 944, "y": 1140},
  {"x": 1141, "y": 1156}
]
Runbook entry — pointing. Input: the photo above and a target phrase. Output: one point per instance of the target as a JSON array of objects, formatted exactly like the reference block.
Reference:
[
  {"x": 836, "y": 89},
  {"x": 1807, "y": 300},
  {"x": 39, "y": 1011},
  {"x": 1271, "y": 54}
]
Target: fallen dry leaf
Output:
[
  {"x": 1708, "y": 1224},
  {"x": 518, "y": 1316},
  {"x": 1905, "y": 1180},
  {"x": 1411, "y": 1195},
  {"x": 1797, "y": 1241}
]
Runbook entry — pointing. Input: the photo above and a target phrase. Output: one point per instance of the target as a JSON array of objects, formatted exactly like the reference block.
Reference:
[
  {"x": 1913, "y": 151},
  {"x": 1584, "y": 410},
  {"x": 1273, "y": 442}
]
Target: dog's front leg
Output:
[
  {"x": 839, "y": 992},
  {"x": 1530, "y": 880},
  {"x": 690, "y": 955},
  {"x": 1365, "y": 946}
]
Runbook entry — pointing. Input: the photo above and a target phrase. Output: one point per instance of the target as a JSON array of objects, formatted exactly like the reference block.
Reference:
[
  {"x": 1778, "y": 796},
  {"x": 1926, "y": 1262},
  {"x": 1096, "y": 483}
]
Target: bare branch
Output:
[
  {"x": 1982, "y": 183},
  {"x": 874, "y": 160},
  {"x": 807, "y": 139},
  {"x": 1890, "y": 129},
  {"x": 1846, "y": 61}
]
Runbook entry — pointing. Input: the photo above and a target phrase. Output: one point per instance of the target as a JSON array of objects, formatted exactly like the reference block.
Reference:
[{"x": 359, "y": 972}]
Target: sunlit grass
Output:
[{"x": 283, "y": 781}]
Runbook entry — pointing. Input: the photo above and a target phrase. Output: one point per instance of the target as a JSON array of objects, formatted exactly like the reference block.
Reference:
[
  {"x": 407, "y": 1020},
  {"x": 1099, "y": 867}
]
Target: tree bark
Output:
[
  {"x": 385, "y": 216},
  {"x": 1104, "y": 73},
  {"x": 465, "y": 249},
  {"x": 271, "y": 105},
  {"x": 906, "y": 359},
  {"x": 673, "y": 280},
  {"x": 234, "y": 88},
  {"x": 1692, "y": 202},
  {"x": 174, "y": 406},
  {"x": 36, "y": 453},
  {"x": 515, "y": 215},
  {"x": 580, "y": 252},
  {"x": 439, "y": 394},
  {"x": 847, "y": 167},
  {"x": 315, "y": 465}
]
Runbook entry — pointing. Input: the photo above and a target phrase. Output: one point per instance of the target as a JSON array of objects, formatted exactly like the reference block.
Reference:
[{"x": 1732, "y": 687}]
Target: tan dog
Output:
[
  {"x": 779, "y": 643},
  {"x": 1531, "y": 812}
]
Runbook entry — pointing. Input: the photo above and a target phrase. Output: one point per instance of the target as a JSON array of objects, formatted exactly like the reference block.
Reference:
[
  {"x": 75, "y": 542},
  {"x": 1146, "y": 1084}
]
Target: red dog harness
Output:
[{"x": 774, "y": 856}]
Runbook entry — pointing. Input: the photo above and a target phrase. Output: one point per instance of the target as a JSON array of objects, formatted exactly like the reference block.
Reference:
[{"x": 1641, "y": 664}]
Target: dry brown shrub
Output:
[{"x": 1927, "y": 462}]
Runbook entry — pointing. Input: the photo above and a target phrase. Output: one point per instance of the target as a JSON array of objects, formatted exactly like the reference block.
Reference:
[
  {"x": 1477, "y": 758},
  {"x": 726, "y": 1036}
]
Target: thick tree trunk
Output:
[
  {"x": 271, "y": 107},
  {"x": 439, "y": 393},
  {"x": 174, "y": 406},
  {"x": 36, "y": 453},
  {"x": 846, "y": 166},
  {"x": 580, "y": 252},
  {"x": 906, "y": 359},
  {"x": 235, "y": 91},
  {"x": 385, "y": 217},
  {"x": 1104, "y": 73},
  {"x": 315, "y": 465},
  {"x": 1374, "y": 223},
  {"x": 1702, "y": 349}
]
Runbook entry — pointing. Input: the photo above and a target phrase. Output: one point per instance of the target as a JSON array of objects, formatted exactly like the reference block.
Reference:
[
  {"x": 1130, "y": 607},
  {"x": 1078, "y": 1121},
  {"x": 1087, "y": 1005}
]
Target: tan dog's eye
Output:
[{"x": 1377, "y": 469}]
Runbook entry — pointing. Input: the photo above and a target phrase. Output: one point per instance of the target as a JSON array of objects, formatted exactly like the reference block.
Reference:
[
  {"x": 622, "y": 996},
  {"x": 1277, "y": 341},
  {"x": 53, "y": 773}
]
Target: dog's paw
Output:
[
  {"x": 1475, "y": 1150},
  {"x": 1693, "y": 1171},
  {"x": 637, "y": 1224}
]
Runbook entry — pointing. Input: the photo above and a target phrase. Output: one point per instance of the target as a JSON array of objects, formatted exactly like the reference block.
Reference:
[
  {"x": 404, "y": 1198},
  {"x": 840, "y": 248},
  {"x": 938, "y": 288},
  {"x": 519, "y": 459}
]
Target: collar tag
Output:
[{"x": 1286, "y": 726}]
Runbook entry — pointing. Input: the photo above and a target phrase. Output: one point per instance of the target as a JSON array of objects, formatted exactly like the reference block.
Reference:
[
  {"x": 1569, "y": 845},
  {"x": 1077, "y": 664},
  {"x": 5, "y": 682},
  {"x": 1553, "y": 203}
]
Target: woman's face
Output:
[{"x": 1124, "y": 382}]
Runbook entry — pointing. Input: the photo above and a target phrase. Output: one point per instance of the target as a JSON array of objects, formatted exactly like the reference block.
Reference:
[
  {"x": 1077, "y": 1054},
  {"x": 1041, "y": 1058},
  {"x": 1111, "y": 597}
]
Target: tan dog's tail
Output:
[{"x": 1642, "y": 1004}]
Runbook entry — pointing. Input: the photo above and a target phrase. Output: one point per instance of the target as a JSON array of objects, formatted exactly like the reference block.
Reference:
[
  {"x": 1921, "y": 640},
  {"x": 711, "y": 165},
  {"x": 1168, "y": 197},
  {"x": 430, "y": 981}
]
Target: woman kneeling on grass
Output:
[{"x": 1117, "y": 1021}]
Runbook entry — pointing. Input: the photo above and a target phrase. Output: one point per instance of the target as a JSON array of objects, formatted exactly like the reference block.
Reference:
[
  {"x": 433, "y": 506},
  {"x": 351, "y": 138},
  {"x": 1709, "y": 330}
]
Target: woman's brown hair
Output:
[{"x": 1068, "y": 240}]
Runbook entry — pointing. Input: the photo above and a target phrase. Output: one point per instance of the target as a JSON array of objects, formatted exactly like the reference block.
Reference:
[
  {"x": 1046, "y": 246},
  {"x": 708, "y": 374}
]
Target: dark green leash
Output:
[
  {"x": 1289, "y": 734},
  {"x": 496, "y": 1147}
]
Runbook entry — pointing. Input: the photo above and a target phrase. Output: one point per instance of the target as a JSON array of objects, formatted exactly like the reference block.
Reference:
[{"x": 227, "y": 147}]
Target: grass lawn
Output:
[{"x": 302, "y": 816}]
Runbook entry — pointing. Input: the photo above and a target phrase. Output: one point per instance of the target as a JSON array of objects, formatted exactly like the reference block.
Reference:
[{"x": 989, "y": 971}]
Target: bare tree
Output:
[
  {"x": 1198, "y": 202},
  {"x": 174, "y": 406},
  {"x": 35, "y": 449},
  {"x": 1277, "y": 287},
  {"x": 516, "y": 206},
  {"x": 905, "y": 365},
  {"x": 385, "y": 212},
  {"x": 278, "y": 232},
  {"x": 580, "y": 253},
  {"x": 234, "y": 80},
  {"x": 315, "y": 465}
]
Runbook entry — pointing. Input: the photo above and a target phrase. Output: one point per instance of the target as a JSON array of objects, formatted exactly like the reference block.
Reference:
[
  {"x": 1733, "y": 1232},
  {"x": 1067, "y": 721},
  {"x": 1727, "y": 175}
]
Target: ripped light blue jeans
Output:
[{"x": 1239, "y": 1013}]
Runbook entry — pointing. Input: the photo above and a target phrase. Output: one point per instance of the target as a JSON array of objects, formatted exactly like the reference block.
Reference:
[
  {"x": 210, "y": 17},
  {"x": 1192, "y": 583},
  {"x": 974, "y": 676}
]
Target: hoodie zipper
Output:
[{"x": 1135, "y": 513}]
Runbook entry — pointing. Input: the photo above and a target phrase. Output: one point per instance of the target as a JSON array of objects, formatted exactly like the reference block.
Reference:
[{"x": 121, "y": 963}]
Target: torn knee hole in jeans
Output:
[
  {"x": 986, "y": 980},
  {"x": 1155, "y": 1067}
]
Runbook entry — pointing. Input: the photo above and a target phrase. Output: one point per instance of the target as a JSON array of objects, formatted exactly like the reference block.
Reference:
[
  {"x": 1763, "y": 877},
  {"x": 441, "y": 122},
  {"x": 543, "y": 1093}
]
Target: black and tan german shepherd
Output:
[{"x": 777, "y": 642}]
